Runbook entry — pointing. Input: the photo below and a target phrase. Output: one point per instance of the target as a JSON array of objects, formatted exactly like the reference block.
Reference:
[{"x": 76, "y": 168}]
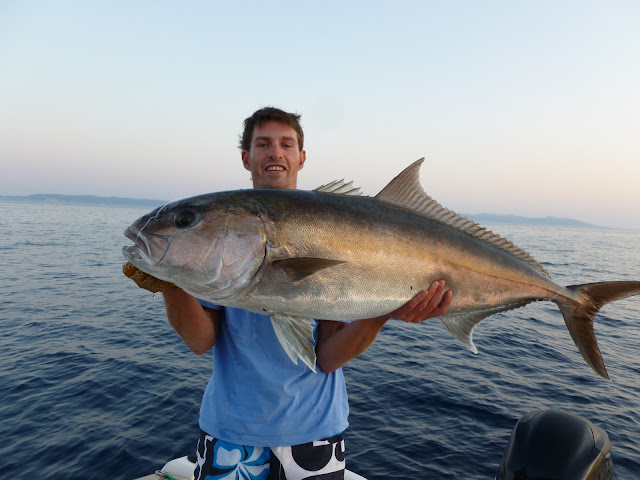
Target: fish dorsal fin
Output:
[
  {"x": 405, "y": 191},
  {"x": 339, "y": 187}
]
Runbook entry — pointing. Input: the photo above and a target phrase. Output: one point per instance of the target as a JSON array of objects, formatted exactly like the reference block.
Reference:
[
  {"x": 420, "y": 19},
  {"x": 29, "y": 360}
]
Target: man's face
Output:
[{"x": 274, "y": 158}]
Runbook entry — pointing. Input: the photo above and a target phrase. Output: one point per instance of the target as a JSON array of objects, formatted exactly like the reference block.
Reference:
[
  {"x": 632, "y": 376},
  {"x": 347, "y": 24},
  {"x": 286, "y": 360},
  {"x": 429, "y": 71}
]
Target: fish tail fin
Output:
[{"x": 579, "y": 316}]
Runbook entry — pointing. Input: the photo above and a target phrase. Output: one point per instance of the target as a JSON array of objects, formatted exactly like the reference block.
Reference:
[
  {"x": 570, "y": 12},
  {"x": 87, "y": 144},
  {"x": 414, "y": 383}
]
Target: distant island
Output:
[
  {"x": 57, "y": 199},
  {"x": 514, "y": 219}
]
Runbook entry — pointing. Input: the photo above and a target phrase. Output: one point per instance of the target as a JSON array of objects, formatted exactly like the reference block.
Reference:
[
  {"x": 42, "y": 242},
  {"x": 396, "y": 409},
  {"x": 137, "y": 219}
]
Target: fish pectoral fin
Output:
[
  {"x": 461, "y": 325},
  {"x": 301, "y": 267},
  {"x": 295, "y": 335}
]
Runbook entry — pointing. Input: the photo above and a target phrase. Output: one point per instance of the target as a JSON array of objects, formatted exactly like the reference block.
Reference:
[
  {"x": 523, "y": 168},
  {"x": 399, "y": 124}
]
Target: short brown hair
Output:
[{"x": 268, "y": 114}]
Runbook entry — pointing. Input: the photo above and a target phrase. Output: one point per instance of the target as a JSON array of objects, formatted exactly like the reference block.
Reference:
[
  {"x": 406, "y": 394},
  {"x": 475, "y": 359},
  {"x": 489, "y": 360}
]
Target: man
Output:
[{"x": 262, "y": 415}]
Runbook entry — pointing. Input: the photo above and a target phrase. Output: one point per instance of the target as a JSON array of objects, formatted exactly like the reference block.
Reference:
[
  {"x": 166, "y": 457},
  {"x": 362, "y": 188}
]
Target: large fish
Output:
[{"x": 331, "y": 254}]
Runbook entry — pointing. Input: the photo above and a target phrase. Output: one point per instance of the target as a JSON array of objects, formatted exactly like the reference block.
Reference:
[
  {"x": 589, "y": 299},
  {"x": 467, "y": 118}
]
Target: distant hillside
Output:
[
  {"x": 514, "y": 219},
  {"x": 57, "y": 199}
]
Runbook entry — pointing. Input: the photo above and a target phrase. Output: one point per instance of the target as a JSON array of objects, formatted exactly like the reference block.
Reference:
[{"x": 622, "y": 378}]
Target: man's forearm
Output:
[
  {"x": 197, "y": 327},
  {"x": 347, "y": 341}
]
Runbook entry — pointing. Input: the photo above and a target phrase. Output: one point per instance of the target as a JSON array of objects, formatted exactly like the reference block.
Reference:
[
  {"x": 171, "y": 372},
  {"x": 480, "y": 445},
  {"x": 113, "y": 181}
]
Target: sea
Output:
[{"x": 95, "y": 384}]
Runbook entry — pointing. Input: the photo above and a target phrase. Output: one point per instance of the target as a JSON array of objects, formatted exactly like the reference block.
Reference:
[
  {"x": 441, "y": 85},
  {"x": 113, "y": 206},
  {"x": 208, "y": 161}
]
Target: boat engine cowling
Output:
[{"x": 553, "y": 444}]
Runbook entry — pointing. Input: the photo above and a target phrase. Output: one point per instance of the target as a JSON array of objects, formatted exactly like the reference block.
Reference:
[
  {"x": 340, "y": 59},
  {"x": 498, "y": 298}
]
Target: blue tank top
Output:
[{"x": 257, "y": 396}]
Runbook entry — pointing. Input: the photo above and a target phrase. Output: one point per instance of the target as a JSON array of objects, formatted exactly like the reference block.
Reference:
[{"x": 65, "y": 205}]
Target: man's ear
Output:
[
  {"x": 245, "y": 159},
  {"x": 303, "y": 158}
]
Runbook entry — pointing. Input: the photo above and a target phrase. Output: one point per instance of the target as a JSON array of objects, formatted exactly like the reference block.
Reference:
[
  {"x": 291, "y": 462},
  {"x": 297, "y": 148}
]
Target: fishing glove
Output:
[{"x": 144, "y": 280}]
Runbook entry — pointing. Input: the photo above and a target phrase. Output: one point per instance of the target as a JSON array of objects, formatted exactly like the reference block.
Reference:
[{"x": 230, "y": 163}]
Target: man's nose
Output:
[{"x": 276, "y": 151}]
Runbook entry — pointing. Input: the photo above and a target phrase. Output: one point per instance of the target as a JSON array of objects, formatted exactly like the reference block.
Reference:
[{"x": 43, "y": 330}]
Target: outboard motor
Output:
[{"x": 556, "y": 445}]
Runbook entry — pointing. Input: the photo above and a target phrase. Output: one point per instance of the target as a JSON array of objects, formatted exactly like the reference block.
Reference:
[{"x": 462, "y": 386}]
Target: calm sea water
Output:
[{"x": 94, "y": 384}]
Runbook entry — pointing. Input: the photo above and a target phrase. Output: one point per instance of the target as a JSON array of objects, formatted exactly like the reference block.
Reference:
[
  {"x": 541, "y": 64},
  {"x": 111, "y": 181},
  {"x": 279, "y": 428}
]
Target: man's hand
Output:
[
  {"x": 144, "y": 280},
  {"x": 426, "y": 304}
]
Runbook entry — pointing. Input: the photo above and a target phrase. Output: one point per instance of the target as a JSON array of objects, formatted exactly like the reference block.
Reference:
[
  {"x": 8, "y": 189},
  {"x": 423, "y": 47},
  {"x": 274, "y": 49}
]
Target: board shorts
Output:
[{"x": 220, "y": 460}]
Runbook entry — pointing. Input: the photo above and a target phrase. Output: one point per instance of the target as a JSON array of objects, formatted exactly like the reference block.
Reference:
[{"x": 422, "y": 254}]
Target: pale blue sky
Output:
[{"x": 526, "y": 108}]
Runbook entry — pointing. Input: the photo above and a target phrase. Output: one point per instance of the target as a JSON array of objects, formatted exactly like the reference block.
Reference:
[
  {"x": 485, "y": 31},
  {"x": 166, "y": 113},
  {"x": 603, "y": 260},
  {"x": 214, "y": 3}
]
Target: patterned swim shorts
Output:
[{"x": 220, "y": 460}]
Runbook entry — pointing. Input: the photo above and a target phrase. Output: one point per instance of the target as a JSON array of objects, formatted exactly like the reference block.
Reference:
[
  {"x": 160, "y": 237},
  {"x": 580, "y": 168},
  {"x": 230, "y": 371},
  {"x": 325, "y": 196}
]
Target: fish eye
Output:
[{"x": 185, "y": 219}]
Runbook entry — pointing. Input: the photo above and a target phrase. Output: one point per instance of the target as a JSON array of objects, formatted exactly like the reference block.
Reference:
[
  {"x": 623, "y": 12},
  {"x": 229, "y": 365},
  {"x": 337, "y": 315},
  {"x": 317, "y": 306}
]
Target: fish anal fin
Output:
[
  {"x": 298, "y": 268},
  {"x": 295, "y": 335},
  {"x": 461, "y": 325}
]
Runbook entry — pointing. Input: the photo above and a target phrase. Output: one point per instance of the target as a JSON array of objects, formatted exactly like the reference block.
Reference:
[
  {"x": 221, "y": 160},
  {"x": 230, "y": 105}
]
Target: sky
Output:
[{"x": 523, "y": 108}]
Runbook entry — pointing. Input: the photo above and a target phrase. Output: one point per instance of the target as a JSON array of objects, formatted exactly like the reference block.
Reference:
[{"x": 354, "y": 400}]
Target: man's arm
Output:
[
  {"x": 339, "y": 342},
  {"x": 198, "y": 326}
]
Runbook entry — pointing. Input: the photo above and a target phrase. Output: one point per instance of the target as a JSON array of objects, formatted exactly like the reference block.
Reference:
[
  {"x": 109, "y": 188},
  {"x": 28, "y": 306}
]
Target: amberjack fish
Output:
[{"x": 334, "y": 254}]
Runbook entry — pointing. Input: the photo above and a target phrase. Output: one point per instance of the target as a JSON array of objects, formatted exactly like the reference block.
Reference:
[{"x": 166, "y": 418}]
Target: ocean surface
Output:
[{"x": 94, "y": 383}]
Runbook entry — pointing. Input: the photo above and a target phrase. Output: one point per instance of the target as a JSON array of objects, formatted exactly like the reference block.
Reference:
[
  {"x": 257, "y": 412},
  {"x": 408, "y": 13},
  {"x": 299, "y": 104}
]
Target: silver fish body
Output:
[{"x": 298, "y": 255}]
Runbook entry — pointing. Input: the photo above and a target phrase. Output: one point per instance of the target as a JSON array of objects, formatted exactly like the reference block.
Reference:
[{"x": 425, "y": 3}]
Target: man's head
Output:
[
  {"x": 272, "y": 148},
  {"x": 268, "y": 114}
]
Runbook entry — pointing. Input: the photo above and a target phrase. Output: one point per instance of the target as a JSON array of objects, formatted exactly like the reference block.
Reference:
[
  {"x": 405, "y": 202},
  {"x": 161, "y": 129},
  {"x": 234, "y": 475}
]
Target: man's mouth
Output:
[{"x": 275, "y": 168}]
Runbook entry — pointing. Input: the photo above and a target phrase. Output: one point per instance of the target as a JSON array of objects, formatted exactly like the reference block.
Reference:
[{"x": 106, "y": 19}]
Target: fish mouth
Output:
[{"x": 150, "y": 248}]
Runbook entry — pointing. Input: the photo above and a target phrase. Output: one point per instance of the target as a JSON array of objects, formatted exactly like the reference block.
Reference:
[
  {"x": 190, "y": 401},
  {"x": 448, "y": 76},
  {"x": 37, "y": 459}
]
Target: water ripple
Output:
[{"x": 96, "y": 382}]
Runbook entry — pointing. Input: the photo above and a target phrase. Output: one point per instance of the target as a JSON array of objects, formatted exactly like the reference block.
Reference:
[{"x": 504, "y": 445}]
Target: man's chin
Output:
[{"x": 281, "y": 183}]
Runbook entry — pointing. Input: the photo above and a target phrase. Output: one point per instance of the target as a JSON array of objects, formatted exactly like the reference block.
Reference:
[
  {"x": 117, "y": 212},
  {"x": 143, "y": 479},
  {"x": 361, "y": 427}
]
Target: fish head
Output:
[{"x": 202, "y": 244}]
